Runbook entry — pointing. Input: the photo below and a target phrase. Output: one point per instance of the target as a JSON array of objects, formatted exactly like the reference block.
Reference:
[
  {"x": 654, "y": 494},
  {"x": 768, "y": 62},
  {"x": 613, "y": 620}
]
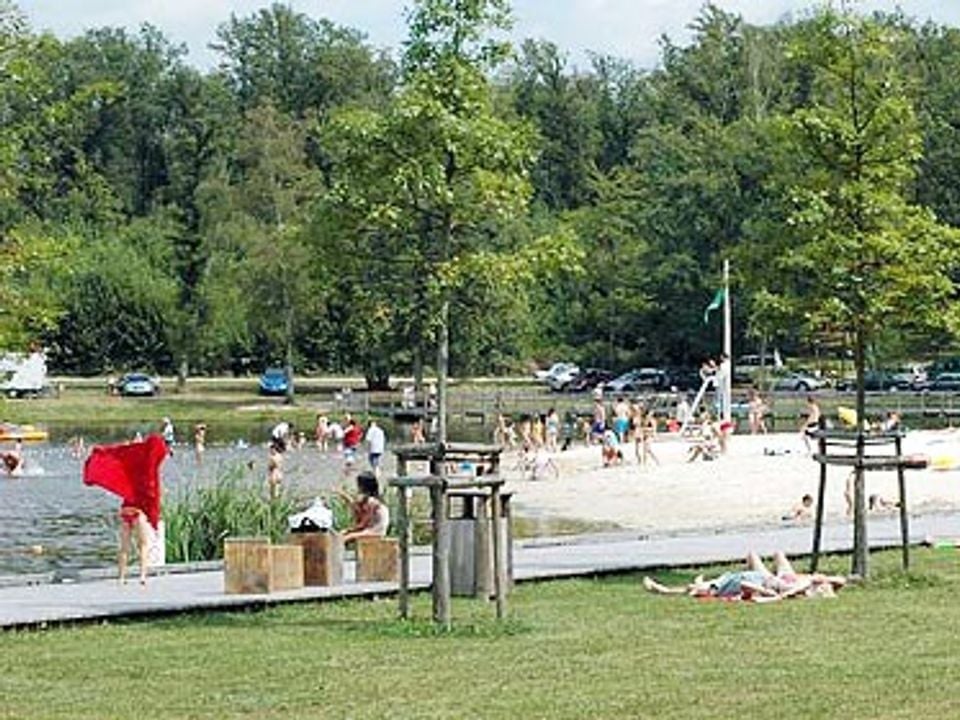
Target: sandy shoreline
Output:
[{"x": 746, "y": 488}]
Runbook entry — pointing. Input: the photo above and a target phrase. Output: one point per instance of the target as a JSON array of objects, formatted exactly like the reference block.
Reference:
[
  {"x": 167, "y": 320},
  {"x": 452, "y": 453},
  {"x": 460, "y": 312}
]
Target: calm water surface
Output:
[{"x": 49, "y": 520}]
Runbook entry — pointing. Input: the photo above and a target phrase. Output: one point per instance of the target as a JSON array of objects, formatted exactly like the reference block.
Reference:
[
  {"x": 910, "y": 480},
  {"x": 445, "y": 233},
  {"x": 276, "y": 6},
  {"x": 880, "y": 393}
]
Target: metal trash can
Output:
[{"x": 471, "y": 542}]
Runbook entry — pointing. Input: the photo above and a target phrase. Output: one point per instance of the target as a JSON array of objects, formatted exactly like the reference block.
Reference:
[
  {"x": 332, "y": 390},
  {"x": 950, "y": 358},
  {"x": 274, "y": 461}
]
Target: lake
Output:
[{"x": 50, "y": 520}]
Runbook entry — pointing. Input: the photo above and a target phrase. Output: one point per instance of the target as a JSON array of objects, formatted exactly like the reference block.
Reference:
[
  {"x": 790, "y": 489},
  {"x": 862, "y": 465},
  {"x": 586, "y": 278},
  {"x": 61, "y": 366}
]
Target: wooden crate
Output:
[
  {"x": 253, "y": 565},
  {"x": 378, "y": 560},
  {"x": 322, "y": 557}
]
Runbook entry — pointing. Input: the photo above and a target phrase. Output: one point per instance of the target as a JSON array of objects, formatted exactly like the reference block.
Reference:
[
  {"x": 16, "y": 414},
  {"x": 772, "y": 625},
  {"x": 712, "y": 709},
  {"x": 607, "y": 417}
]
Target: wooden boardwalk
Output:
[{"x": 48, "y": 604}]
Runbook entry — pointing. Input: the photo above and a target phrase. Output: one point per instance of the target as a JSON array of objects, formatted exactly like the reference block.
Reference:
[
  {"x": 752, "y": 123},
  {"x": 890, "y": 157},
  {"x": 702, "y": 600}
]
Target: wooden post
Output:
[
  {"x": 403, "y": 525},
  {"x": 904, "y": 527},
  {"x": 821, "y": 492},
  {"x": 441, "y": 556},
  {"x": 861, "y": 548},
  {"x": 406, "y": 536},
  {"x": 498, "y": 577}
]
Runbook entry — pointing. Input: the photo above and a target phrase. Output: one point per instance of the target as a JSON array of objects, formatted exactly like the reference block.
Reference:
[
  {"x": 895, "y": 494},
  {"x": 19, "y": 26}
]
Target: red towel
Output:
[{"x": 130, "y": 470}]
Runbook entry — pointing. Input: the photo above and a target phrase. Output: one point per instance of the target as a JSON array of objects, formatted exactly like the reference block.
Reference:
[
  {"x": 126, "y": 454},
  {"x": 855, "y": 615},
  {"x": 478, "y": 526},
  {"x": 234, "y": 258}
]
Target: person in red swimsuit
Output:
[{"x": 132, "y": 520}]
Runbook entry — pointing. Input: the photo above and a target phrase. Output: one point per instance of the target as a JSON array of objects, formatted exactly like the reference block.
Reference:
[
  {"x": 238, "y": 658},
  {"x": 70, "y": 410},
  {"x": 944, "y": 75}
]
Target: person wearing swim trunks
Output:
[{"x": 811, "y": 421}]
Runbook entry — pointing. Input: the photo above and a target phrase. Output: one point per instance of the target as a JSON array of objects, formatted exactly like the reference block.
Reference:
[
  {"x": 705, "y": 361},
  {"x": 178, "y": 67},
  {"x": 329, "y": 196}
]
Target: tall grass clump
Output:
[{"x": 198, "y": 518}]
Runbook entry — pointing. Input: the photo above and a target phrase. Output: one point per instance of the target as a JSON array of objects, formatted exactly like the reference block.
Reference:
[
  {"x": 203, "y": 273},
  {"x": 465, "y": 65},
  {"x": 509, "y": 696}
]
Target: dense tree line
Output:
[{"x": 319, "y": 202}]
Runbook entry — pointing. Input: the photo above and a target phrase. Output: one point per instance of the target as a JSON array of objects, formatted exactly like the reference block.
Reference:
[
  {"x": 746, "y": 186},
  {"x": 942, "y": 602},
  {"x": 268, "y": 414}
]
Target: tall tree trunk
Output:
[
  {"x": 288, "y": 356},
  {"x": 417, "y": 367},
  {"x": 860, "y": 546},
  {"x": 443, "y": 364},
  {"x": 183, "y": 369}
]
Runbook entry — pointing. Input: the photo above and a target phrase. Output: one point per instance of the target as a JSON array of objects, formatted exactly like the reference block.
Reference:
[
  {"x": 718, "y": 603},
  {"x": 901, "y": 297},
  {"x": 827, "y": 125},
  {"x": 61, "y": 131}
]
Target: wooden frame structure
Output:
[
  {"x": 486, "y": 458},
  {"x": 856, "y": 458}
]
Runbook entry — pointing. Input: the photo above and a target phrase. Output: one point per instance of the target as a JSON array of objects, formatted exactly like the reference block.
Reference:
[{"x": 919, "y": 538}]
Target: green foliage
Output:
[
  {"x": 313, "y": 202},
  {"x": 862, "y": 257},
  {"x": 198, "y": 518},
  {"x": 118, "y": 303}
]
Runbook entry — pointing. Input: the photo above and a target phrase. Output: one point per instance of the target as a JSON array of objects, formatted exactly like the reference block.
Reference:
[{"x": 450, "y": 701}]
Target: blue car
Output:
[{"x": 274, "y": 382}]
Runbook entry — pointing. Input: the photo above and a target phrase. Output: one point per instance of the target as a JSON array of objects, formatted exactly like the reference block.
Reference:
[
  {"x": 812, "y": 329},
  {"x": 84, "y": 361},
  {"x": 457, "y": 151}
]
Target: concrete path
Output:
[{"x": 42, "y": 605}]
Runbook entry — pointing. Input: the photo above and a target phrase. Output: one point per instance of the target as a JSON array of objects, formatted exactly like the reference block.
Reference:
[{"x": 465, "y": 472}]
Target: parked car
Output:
[
  {"x": 798, "y": 382},
  {"x": 274, "y": 382},
  {"x": 877, "y": 380},
  {"x": 946, "y": 381},
  {"x": 685, "y": 379},
  {"x": 589, "y": 379},
  {"x": 138, "y": 385},
  {"x": 557, "y": 367},
  {"x": 559, "y": 380},
  {"x": 639, "y": 380}
]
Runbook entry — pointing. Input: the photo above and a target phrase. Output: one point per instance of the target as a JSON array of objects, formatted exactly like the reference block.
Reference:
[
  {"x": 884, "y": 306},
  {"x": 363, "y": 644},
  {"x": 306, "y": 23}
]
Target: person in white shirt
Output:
[{"x": 376, "y": 445}]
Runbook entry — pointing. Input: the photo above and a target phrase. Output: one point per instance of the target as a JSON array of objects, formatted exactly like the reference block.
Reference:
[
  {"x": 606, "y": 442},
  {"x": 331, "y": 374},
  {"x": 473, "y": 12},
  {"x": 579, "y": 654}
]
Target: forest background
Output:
[{"x": 317, "y": 201}]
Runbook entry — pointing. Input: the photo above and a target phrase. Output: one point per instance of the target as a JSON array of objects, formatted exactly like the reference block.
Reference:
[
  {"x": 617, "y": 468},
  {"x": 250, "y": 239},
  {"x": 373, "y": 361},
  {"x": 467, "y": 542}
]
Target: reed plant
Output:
[{"x": 198, "y": 518}]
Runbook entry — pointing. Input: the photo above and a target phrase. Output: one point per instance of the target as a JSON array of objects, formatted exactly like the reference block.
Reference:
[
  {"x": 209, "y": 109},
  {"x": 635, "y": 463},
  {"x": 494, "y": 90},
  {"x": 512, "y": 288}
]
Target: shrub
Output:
[{"x": 198, "y": 518}]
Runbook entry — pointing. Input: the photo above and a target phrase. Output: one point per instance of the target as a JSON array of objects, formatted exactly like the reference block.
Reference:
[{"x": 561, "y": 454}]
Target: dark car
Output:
[
  {"x": 588, "y": 379},
  {"x": 685, "y": 379},
  {"x": 639, "y": 380},
  {"x": 946, "y": 381},
  {"x": 138, "y": 385},
  {"x": 876, "y": 380},
  {"x": 274, "y": 382}
]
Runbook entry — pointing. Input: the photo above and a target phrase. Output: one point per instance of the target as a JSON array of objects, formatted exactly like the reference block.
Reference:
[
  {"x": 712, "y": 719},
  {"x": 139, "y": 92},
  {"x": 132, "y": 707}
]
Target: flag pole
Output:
[{"x": 727, "y": 344}]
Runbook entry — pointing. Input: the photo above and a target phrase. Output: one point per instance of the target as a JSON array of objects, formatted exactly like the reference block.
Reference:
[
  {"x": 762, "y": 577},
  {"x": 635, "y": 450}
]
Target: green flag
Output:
[{"x": 715, "y": 304}]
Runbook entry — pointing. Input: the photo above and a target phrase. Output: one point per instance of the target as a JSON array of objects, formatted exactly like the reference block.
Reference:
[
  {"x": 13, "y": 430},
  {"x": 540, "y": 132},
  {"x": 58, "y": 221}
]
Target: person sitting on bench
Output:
[{"x": 371, "y": 517}]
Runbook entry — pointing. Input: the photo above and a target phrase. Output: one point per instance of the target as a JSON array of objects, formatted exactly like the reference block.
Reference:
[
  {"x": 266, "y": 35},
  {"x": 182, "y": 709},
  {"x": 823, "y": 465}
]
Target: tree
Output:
[
  {"x": 851, "y": 251},
  {"x": 300, "y": 65},
  {"x": 438, "y": 170},
  {"x": 255, "y": 239}
]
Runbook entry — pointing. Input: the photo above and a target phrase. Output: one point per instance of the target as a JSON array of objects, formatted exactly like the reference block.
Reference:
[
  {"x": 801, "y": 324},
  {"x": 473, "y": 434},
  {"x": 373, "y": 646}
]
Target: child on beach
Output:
[
  {"x": 801, "y": 511},
  {"x": 611, "y": 454}
]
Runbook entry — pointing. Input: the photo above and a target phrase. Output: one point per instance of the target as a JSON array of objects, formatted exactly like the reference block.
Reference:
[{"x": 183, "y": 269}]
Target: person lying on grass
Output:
[{"x": 756, "y": 583}]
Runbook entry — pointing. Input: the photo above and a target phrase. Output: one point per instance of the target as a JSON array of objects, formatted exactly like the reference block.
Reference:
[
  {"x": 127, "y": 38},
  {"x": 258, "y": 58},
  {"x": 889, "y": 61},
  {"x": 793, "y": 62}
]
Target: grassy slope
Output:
[{"x": 574, "y": 649}]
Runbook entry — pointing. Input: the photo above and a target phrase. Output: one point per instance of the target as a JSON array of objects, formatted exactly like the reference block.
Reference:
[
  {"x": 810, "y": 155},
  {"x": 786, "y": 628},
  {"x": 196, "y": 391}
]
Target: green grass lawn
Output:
[{"x": 573, "y": 649}]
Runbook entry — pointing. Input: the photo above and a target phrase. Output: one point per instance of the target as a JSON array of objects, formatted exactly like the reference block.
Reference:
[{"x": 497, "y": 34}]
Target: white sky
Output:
[{"x": 624, "y": 28}]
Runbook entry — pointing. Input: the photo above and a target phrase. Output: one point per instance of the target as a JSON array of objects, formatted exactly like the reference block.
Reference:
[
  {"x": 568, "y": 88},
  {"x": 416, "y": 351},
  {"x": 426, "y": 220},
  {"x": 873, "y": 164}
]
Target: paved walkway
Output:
[{"x": 42, "y": 605}]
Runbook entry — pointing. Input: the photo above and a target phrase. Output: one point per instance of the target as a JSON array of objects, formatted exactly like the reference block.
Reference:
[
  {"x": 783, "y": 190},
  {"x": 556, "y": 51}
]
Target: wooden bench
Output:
[
  {"x": 378, "y": 559},
  {"x": 253, "y": 565}
]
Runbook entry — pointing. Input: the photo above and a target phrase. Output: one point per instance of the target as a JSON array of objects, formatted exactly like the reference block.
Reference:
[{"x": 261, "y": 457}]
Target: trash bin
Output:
[{"x": 471, "y": 542}]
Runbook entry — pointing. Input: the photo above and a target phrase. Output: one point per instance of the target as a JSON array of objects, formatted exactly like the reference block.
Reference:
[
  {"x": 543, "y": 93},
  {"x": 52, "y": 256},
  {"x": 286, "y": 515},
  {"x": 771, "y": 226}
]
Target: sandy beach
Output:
[{"x": 747, "y": 488}]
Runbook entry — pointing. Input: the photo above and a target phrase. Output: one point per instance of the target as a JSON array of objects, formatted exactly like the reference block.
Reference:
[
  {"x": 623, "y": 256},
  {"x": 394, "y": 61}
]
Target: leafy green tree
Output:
[
  {"x": 852, "y": 251},
  {"x": 119, "y": 302},
  {"x": 281, "y": 57},
  {"x": 255, "y": 240},
  {"x": 438, "y": 165},
  {"x": 564, "y": 108}
]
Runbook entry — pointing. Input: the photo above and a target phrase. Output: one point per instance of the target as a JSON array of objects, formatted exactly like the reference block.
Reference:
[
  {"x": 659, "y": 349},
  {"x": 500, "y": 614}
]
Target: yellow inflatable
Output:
[
  {"x": 848, "y": 416},
  {"x": 944, "y": 462},
  {"x": 27, "y": 433}
]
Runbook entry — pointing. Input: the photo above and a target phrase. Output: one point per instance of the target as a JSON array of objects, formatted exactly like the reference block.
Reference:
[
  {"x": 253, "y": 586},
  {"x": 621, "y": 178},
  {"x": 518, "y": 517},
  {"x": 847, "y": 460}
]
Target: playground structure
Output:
[
  {"x": 849, "y": 449},
  {"x": 483, "y": 484}
]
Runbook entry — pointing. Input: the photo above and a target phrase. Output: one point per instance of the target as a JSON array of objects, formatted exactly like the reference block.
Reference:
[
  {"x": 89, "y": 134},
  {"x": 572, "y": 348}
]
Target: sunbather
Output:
[{"x": 756, "y": 583}]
